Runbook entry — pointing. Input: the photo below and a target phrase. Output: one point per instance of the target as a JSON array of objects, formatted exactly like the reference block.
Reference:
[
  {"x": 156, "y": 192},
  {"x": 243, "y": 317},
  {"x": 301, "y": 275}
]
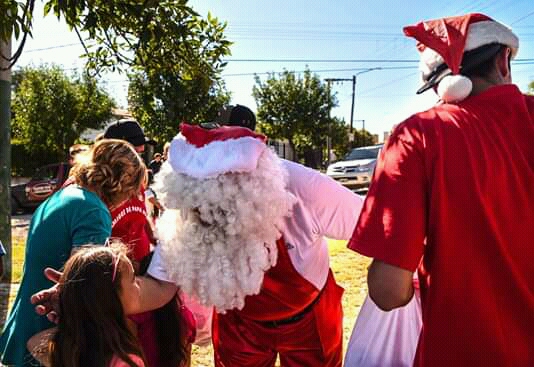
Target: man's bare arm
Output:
[
  {"x": 154, "y": 294},
  {"x": 389, "y": 286}
]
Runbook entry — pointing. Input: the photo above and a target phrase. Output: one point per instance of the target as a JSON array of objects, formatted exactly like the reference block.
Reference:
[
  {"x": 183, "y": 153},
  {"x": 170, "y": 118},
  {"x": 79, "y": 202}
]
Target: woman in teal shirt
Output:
[{"x": 79, "y": 214}]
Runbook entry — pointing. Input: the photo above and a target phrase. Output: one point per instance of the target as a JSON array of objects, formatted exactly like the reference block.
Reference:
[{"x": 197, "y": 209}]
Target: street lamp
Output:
[{"x": 341, "y": 80}]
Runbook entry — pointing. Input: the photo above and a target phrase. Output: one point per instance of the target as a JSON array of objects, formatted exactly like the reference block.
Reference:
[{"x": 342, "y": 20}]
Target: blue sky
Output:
[{"x": 330, "y": 37}]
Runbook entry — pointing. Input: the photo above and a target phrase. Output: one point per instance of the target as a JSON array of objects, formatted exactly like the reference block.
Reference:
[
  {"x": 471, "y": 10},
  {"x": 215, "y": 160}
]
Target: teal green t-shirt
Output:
[{"x": 71, "y": 217}]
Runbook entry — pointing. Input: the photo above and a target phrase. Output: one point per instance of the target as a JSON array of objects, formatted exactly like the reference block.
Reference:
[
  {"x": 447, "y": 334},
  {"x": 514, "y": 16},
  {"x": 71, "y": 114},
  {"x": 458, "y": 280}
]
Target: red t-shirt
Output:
[
  {"x": 455, "y": 185},
  {"x": 129, "y": 223}
]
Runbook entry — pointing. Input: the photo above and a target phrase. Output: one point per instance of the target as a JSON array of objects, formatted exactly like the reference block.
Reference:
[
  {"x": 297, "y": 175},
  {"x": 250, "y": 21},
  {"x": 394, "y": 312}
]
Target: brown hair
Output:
[
  {"x": 171, "y": 328},
  {"x": 92, "y": 328},
  {"x": 112, "y": 169},
  {"x": 486, "y": 67}
]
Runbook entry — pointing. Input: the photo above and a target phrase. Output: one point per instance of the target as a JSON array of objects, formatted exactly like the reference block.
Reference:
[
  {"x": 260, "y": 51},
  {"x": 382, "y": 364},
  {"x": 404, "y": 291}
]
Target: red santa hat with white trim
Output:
[
  {"x": 205, "y": 153},
  {"x": 452, "y": 46}
]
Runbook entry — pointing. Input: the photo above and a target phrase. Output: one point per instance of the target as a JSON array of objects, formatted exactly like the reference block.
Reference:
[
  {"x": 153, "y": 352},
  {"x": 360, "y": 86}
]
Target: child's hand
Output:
[{"x": 47, "y": 300}]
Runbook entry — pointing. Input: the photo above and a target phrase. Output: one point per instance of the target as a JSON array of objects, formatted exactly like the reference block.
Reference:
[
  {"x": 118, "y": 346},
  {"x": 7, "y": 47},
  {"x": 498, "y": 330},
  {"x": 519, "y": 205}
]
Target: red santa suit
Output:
[{"x": 296, "y": 312}]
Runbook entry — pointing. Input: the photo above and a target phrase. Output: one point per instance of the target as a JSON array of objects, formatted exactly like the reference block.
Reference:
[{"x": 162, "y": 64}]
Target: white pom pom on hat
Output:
[{"x": 454, "y": 88}]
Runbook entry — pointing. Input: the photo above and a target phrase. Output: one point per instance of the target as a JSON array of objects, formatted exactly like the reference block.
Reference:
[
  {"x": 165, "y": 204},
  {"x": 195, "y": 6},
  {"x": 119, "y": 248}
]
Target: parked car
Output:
[
  {"x": 45, "y": 181},
  {"x": 355, "y": 170}
]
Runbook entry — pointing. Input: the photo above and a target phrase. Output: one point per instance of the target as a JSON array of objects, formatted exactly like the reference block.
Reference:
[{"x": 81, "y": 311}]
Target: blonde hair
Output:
[{"x": 112, "y": 169}]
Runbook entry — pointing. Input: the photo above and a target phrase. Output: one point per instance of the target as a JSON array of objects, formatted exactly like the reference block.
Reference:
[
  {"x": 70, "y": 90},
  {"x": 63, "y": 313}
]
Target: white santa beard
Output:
[{"x": 219, "y": 234}]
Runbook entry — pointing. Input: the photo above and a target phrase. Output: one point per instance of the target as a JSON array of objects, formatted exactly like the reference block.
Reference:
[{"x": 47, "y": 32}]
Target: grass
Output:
[
  {"x": 18, "y": 245},
  {"x": 349, "y": 268}
]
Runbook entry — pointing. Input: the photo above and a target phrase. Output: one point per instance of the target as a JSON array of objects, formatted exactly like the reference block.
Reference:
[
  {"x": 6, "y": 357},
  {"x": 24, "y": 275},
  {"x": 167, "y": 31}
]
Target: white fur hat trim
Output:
[
  {"x": 454, "y": 88},
  {"x": 215, "y": 158},
  {"x": 479, "y": 34}
]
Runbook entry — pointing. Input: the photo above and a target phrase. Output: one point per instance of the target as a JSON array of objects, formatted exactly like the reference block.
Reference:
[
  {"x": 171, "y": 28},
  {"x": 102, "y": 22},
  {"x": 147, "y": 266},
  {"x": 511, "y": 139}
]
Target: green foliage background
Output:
[
  {"x": 50, "y": 110},
  {"x": 295, "y": 108}
]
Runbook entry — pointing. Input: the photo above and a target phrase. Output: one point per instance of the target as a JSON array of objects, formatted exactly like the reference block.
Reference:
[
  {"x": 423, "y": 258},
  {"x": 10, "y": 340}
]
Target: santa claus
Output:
[{"x": 244, "y": 231}]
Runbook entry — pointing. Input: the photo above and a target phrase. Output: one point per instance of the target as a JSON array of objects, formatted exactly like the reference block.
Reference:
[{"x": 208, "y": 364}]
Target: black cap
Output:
[
  {"x": 128, "y": 130},
  {"x": 237, "y": 115}
]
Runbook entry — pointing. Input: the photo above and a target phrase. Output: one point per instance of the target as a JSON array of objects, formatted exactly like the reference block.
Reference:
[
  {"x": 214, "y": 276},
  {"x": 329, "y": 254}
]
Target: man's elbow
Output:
[
  {"x": 390, "y": 287},
  {"x": 387, "y": 301}
]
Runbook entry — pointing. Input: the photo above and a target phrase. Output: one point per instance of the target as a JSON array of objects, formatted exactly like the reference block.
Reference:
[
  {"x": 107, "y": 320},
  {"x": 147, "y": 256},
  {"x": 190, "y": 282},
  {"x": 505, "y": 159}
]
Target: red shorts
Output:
[{"x": 241, "y": 342}]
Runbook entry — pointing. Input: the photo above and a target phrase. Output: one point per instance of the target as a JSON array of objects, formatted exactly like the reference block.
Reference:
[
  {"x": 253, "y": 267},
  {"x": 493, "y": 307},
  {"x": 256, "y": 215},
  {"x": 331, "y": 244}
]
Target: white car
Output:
[{"x": 355, "y": 170}]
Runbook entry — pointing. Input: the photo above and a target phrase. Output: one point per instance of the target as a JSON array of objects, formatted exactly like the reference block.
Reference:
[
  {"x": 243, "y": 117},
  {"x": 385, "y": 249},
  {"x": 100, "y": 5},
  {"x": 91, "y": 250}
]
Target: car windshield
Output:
[{"x": 359, "y": 153}]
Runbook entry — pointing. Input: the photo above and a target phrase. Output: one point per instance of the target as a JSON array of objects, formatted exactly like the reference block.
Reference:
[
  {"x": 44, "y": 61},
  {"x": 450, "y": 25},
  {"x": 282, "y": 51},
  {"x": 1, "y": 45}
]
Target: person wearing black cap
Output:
[
  {"x": 131, "y": 131},
  {"x": 452, "y": 197},
  {"x": 237, "y": 115}
]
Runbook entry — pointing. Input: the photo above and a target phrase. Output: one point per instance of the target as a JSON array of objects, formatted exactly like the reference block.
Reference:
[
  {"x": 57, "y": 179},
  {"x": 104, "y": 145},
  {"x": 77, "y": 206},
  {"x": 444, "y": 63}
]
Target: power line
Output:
[
  {"x": 324, "y": 60},
  {"x": 364, "y": 92},
  {"x": 51, "y": 47},
  {"x": 522, "y": 18},
  {"x": 321, "y": 71}
]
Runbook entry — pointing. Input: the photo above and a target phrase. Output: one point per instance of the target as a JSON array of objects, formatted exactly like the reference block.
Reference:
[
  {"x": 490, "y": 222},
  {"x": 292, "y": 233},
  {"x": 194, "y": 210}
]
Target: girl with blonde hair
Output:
[{"x": 104, "y": 177}]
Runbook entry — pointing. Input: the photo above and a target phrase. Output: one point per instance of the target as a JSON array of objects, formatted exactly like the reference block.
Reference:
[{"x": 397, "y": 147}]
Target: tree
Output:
[
  {"x": 531, "y": 88},
  {"x": 161, "y": 97},
  {"x": 121, "y": 33},
  {"x": 161, "y": 103},
  {"x": 295, "y": 108},
  {"x": 51, "y": 110}
]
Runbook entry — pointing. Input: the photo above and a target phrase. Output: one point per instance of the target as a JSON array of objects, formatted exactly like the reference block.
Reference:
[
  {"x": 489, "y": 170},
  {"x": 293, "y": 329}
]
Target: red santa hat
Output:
[
  {"x": 445, "y": 43},
  {"x": 203, "y": 153}
]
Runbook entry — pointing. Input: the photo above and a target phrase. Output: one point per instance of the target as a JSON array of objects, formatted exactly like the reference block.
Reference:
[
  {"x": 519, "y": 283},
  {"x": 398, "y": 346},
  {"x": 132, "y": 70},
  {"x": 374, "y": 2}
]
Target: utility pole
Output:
[
  {"x": 363, "y": 123},
  {"x": 341, "y": 80},
  {"x": 329, "y": 137},
  {"x": 5, "y": 154},
  {"x": 352, "y": 105},
  {"x": 354, "y": 95}
]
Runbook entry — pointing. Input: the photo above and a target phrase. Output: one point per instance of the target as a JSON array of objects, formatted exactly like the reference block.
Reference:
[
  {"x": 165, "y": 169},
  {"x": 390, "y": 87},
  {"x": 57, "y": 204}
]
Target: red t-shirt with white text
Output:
[
  {"x": 129, "y": 223},
  {"x": 455, "y": 185}
]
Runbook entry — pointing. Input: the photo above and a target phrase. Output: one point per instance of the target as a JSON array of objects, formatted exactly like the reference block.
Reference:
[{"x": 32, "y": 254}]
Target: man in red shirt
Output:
[{"x": 453, "y": 194}]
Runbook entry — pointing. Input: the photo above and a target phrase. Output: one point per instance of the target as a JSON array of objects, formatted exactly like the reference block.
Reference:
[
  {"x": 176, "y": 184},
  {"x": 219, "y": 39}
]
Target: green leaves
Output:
[
  {"x": 124, "y": 34},
  {"x": 178, "y": 62},
  {"x": 51, "y": 110},
  {"x": 16, "y": 18},
  {"x": 295, "y": 108},
  {"x": 174, "y": 57}
]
